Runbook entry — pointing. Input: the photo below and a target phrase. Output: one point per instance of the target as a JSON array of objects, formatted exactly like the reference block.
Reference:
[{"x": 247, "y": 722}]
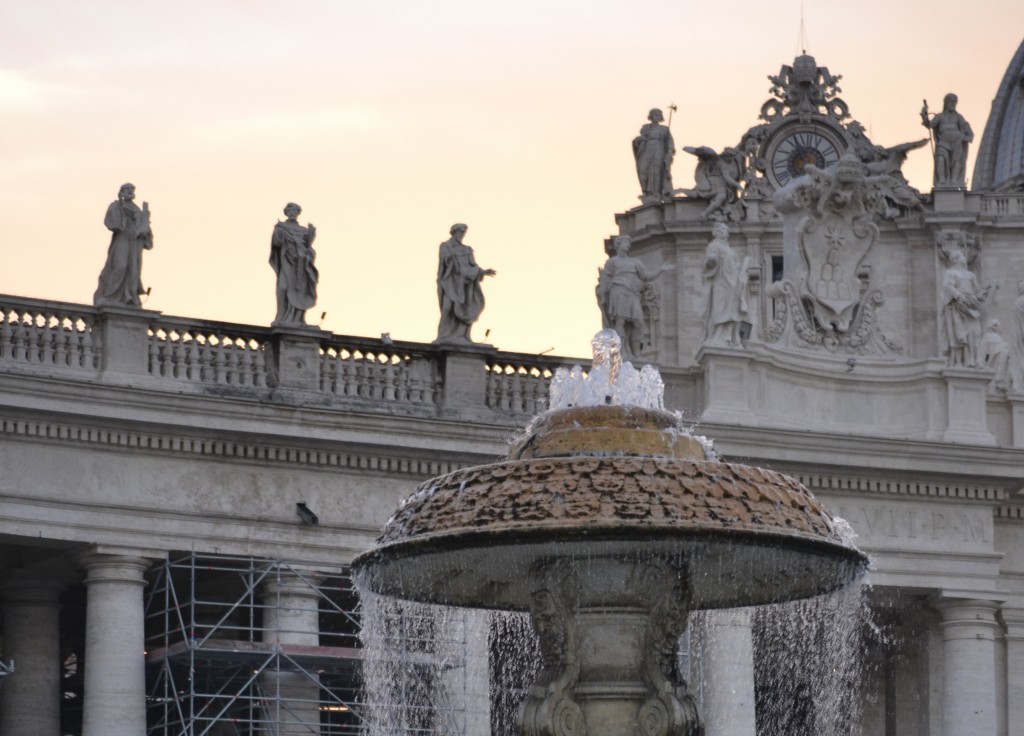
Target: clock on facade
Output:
[{"x": 793, "y": 148}]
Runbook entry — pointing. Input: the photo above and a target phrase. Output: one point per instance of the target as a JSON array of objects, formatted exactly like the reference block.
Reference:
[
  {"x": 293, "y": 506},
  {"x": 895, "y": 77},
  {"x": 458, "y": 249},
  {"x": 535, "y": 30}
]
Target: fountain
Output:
[{"x": 609, "y": 523}]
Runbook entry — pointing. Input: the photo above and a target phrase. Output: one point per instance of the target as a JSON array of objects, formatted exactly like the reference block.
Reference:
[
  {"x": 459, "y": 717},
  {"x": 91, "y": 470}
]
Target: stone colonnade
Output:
[{"x": 974, "y": 695}]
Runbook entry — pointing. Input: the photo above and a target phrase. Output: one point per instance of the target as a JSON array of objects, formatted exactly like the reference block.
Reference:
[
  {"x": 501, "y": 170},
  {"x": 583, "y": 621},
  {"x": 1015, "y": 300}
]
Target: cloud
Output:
[{"x": 17, "y": 91}]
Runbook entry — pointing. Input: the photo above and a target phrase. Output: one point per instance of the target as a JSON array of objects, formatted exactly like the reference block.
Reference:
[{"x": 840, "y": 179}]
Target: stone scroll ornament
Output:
[
  {"x": 669, "y": 709},
  {"x": 824, "y": 302},
  {"x": 549, "y": 709}
]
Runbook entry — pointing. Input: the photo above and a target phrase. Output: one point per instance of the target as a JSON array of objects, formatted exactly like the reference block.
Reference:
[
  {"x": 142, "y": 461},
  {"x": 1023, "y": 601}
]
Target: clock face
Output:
[{"x": 793, "y": 151}]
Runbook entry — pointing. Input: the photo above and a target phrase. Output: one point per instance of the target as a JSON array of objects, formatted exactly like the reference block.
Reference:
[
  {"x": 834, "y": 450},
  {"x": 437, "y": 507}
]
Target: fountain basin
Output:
[{"x": 610, "y": 482}]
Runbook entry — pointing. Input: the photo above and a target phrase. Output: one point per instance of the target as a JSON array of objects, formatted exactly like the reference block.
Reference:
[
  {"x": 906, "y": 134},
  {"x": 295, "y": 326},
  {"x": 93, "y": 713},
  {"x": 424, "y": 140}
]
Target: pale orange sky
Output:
[{"x": 388, "y": 122}]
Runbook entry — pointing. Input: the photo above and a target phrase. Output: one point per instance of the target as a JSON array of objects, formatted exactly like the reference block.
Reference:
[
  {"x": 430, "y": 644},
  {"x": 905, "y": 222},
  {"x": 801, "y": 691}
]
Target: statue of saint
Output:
[
  {"x": 619, "y": 295},
  {"x": 291, "y": 257},
  {"x": 458, "y": 287},
  {"x": 996, "y": 353},
  {"x": 725, "y": 285},
  {"x": 960, "y": 321},
  {"x": 120, "y": 282},
  {"x": 1017, "y": 343},
  {"x": 653, "y": 150},
  {"x": 952, "y": 134}
]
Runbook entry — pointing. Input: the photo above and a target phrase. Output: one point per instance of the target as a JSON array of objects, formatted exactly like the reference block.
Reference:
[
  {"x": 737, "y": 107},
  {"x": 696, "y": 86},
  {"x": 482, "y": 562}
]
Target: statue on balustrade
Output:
[
  {"x": 458, "y": 287},
  {"x": 995, "y": 351},
  {"x": 120, "y": 282},
  {"x": 653, "y": 150},
  {"x": 725, "y": 286},
  {"x": 292, "y": 258},
  {"x": 620, "y": 295},
  {"x": 952, "y": 134},
  {"x": 1017, "y": 343},
  {"x": 960, "y": 322}
]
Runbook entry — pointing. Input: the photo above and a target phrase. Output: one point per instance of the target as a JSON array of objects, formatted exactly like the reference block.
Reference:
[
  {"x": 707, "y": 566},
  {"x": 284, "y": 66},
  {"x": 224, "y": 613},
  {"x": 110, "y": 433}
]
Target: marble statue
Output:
[
  {"x": 960, "y": 321},
  {"x": 458, "y": 287},
  {"x": 725, "y": 286},
  {"x": 996, "y": 353},
  {"x": 1016, "y": 367},
  {"x": 292, "y": 257},
  {"x": 653, "y": 150},
  {"x": 952, "y": 134},
  {"x": 719, "y": 177},
  {"x": 899, "y": 195},
  {"x": 120, "y": 282},
  {"x": 619, "y": 295}
]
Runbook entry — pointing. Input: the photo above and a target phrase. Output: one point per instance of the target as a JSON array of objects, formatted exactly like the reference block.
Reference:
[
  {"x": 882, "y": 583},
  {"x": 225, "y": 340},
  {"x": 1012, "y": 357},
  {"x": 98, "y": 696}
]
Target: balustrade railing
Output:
[
  {"x": 208, "y": 353},
  {"x": 370, "y": 369},
  {"x": 50, "y": 334},
  {"x": 519, "y": 383},
  {"x": 1004, "y": 205},
  {"x": 248, "y": 360}
]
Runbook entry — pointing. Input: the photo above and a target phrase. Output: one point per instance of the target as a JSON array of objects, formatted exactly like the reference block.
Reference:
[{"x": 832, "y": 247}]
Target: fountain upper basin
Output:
[{"x": 602, "y": 483}]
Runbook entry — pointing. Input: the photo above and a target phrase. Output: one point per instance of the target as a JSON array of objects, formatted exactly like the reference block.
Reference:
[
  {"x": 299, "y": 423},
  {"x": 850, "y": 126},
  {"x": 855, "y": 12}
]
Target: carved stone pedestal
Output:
[
  {"x": 967, "y": 420},
  {"x": 726, "y": 383},
  {"x": 608, "y": 631}
]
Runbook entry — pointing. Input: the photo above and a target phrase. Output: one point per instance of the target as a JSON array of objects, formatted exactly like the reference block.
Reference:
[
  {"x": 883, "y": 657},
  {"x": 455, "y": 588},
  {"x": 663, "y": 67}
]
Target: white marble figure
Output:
[
  {"x": 653, "y": 150},
  {"x": 725, "y": 286},
  {"x": 952, "y": 134},
  {"x": 960, "y": 322},
  {"x": 996, "y": 353},
  {"x": 718, "y": 178},
  {"x": 120, "y": 282},
  {"x": 1017, "y": 343},
  {"x": 458, "y": 287},
  {"x": 291, "y": 257},
  {"x": 619, "y": 289}
]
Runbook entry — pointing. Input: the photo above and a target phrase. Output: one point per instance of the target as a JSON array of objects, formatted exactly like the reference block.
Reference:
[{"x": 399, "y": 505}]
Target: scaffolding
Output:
[{"x": 244, "y": 646}]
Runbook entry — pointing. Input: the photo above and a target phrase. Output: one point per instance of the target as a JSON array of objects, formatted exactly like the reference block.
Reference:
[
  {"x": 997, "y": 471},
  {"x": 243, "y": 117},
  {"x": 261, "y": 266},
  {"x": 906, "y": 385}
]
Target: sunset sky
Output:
[{"x": 388, "y": 122}]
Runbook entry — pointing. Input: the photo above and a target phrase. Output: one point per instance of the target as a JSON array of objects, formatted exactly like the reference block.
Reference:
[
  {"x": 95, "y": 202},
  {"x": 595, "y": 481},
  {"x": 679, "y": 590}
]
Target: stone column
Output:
[
  {"x": 729, "y": 674},
  {"x": 1014, "y": 620},
  {"x": 291, "y": 620},
  {"x": 969, "y": 679},
  {"x": 30, "y": 698},
  {"x": 115, "y": 675}
]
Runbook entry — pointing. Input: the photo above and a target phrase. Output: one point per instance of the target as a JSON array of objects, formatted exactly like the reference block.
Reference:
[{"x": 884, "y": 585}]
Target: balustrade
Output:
[
  {"x": 197, "y": 353},
  {"x": 519, "y": 387},
  {"x": 1008, "y": 205},
  {"x": 180, "y": 351},
  {"x": 360, "y": 370},
  {"x": 47, "y": 334}
]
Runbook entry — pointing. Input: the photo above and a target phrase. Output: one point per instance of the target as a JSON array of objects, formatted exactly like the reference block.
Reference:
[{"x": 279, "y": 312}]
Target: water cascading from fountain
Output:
[{"x": 608, "y": 523}]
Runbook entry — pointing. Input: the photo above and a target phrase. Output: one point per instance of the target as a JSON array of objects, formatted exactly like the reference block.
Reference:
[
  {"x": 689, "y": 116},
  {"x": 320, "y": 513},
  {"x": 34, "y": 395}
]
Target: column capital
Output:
[
  {"x": 967, "y": 618},
  {"x": 112, "y": 564}
]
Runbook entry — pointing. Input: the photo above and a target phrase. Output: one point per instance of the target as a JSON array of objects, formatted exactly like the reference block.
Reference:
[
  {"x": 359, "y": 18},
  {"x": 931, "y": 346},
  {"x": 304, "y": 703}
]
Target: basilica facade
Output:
[{"x": 181, "y": 498}]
